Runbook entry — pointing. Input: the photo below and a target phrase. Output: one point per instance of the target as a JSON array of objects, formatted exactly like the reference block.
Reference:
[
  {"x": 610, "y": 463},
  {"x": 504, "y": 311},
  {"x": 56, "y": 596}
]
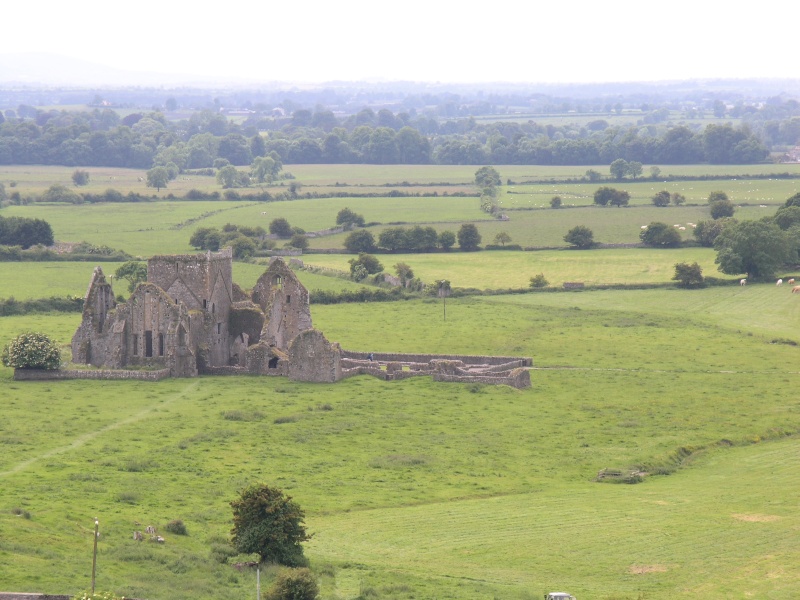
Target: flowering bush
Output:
[
  {"x": 87, "y": 595},
  {"x": 32, "y": 350}
]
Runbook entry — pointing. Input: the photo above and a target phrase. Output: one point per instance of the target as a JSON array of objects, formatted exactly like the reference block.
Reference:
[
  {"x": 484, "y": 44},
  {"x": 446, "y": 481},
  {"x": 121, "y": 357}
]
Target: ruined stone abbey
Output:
[{"x": 190, "y": 318}]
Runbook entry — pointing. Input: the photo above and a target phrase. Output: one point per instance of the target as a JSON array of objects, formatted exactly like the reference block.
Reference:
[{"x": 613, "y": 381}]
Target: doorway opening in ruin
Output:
[
  {"x": 273, "y": 362},
  {"x": 161, "y": 344}
]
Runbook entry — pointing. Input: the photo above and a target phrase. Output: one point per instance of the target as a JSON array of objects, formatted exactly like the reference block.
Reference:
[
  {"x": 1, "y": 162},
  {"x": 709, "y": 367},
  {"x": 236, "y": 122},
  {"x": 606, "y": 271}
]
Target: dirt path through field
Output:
[{"x": 86, "y": 437}]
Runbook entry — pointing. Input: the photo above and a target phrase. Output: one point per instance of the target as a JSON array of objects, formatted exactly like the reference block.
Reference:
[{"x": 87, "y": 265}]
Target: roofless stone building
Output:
[{"x": 190, "y": 318}]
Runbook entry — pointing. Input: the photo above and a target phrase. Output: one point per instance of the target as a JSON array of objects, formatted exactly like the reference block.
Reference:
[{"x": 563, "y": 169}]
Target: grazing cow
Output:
[
  {"x": 790, "y": 282},
  {"x": 743, "y": 282},
  {"x": 779, "y": 282},
  {"x": 796, "y": 289}
]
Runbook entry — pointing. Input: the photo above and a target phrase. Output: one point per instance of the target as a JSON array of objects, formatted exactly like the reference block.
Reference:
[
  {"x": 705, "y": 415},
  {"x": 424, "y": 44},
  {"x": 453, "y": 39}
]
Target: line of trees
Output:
[
  {"x": 103, "y": 138},
  {"x": 24, "y": 232},
  {"x": 413, "y": 239}
]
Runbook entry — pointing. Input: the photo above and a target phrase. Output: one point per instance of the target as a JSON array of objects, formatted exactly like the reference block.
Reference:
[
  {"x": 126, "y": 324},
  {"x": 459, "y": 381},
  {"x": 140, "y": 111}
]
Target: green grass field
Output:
[
  {"x": 437, "y": 490},
  {"x": 418, "y": 490}
]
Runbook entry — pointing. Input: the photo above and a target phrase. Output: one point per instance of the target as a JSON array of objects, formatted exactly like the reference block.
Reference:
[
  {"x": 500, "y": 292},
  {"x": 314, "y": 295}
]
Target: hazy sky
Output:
[{"x": 501, "y": 40}]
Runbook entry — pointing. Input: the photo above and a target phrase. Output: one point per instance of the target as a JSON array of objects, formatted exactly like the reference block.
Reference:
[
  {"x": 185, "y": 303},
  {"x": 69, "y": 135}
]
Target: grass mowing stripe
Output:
[{"x": 89, "y": 436}]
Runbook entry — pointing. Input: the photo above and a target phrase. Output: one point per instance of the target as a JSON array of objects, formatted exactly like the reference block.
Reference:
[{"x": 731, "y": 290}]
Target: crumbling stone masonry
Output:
[{"x": 189, "y": 318}]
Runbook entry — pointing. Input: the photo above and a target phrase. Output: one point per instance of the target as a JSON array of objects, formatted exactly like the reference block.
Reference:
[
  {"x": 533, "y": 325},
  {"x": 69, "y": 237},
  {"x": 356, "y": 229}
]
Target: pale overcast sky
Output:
[{"x": 433, "y": 40}]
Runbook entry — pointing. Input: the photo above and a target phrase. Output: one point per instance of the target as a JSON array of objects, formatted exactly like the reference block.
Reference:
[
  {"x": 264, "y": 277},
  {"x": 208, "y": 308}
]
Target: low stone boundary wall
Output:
[
  {"x": 105, "y": 374},
  {"x": 519, "y": 378},
  {"x": 24, "y": 596},
  {"x": 426, "y": 358},
  {"x": 573, "y": 285}
]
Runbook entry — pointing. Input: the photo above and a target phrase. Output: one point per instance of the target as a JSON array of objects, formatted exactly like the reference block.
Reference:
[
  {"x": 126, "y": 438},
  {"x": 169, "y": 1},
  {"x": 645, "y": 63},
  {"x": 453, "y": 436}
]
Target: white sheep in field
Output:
[
  {"x": 743, "y": 282},
  {"x": 779, "y": 282},
  {"x": 682, "y": 228}
]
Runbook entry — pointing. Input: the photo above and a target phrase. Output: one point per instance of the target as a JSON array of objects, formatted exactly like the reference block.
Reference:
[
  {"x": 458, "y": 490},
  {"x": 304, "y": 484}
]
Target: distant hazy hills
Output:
[{"x": 43, "y": 70}]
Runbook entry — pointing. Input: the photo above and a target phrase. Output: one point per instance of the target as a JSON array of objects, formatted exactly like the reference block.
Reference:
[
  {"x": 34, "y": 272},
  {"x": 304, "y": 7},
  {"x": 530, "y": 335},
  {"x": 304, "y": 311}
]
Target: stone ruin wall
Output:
[
  {"x": 103, "y": 374},
  {"x": 467, "y": 359}
]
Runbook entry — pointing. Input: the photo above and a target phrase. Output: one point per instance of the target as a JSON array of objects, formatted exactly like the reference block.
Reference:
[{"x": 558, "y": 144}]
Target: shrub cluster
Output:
[{"x": 32, "y": 350}]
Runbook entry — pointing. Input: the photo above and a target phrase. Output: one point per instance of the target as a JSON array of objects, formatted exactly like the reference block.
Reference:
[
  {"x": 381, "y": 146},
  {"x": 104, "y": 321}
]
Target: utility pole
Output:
[{"x": 94, "y": 554}]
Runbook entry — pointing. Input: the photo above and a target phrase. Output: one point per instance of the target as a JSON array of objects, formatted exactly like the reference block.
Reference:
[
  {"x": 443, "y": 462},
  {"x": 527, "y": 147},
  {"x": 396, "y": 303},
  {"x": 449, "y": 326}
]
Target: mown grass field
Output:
[
  {"x": 513, "y": 269},
  {"x": 414, "y": 489},
  {"x": 26, "y": 281},
  {"x": 438, "y": 490}
]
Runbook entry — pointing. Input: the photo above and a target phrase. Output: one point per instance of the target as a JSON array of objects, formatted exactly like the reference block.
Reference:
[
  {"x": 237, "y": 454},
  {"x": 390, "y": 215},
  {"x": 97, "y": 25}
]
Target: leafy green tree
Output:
[
  {"x": 717, "y": 197},
  {"x": 677, "y": 199},
  {"x": 468, "y": 237},
  {"x": 369, "y": 262},
  {"x": 635, "y": 168},
  {"x": 421, "y": 239},
  {"x": 80, "y": 177},
  {"x": 539, "y": 281},
  {"x": 281, "y": 228},
  {"x": 32, "y": 350},
  {"x": 447, "y": 239},
  {"x": 157, "y": 177},
  {"x": 299, "y": 241},
  {"x": 487, "y": 177},
  {"x": 293, "y": 584},
  {"x": 621, "y": 198},
  {"x": 660, "y": 235},
  {"x": 593, "y": 175},
  {"x": 604, "y": 195},
  {"x": 198, "y": 239},
  {"x": 360, "y": 241},
  {"x": 661, "y": 198},
  {"x": 555, "y": 202},
  {"x": 688, "y": 276},
  {"x": 60, "y": 193},
  {"x": 228, "y": 176},
  {"x": 580, "y": 236},
  {"x": 243, "y": 247},
  {"x": 265, "y": 169},
  {"x": 787, "y": 217},
  {"x": 502, "y": 238},
  {"x": 268, "y": 523},
  {"x": 618, "y": 169},
  {"x": 404, "y": 272},
  {"x": 655, "y": 172},
  {"x": 24, "y": 232},
  {"x": 757, "y": 248},
  {"x": 134, "y": 272},
  {"x": 393, "y": 239},
  {"x": 722, "y": 208},
  {"x": 793, "y": 200},
  {"x": 347, "y": 217},
  {"x": 707, "y": 231}
]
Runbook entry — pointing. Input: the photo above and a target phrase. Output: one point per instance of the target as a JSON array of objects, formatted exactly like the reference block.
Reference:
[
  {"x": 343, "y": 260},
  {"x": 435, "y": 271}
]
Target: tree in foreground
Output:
[
  {"x": 268, "y": 523},
  {"x": 133, "y": 272},
  {"x": 468, "y": 237},
  {"x": 688, "y": 276},
  {"x": 31, "y": 350},
  {"x": 706, "y": 232},
  {"x": 293, "y": 584},
  {"x": 487, "y": 177},
  {"x": 618, "y": 169},
  {"x": 757, "y": 248},
  {"x": 555, "y": 202},
  {"x": 580, "y": 236}
]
